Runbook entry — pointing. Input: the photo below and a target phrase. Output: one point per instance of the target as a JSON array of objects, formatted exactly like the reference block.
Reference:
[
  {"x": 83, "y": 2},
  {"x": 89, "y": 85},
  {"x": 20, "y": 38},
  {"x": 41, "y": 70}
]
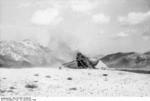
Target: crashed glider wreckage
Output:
[{"x": 83, "y": 62}]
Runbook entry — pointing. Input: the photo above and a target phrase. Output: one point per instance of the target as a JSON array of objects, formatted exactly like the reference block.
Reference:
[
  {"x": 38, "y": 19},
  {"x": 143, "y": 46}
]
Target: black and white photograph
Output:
[{"x": 74, "y": 48}]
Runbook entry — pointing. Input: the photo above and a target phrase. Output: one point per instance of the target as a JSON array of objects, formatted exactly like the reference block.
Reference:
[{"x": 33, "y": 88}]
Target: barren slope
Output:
[{"x": 70, "y": 82}]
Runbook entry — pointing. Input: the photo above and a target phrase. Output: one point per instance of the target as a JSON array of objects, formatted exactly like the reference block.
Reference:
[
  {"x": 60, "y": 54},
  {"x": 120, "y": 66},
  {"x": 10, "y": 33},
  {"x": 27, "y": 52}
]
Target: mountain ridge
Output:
[
  {"x": 24, "y": 53},
  {"x": 31, "y": 53},
  {"x": 129, "y": 60}
]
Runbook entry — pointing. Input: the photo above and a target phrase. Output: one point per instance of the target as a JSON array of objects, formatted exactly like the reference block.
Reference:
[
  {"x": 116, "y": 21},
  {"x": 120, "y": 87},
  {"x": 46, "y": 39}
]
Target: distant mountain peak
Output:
[{"x": 29, "y": 51}]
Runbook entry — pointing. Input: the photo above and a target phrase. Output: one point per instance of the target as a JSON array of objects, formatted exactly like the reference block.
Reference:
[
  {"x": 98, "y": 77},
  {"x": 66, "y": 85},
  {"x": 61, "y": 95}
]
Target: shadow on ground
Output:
[{"x": 137, "y": 71}]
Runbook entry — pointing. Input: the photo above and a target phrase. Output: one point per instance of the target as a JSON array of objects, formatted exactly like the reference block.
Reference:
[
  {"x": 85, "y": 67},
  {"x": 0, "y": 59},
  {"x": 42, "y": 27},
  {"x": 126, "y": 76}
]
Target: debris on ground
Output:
[
  {"x": 73, "y": 88},
  {"x": 105, "y": 74},
  {"x": 31, "y": 86},
  {"x": 48, "y": 76},
  {"x": 36, "y": 74},
  {"x": 12, "y": 87},
  {"x": 69, "y": 78}
]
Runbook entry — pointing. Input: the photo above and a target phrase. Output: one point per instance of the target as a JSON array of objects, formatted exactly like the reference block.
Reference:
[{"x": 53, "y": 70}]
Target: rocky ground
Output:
[{"x": 72, "y": 82}]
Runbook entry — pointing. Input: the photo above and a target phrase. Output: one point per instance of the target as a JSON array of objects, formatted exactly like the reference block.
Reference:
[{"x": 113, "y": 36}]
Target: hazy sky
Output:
[{"x": 91, "y": 26}]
